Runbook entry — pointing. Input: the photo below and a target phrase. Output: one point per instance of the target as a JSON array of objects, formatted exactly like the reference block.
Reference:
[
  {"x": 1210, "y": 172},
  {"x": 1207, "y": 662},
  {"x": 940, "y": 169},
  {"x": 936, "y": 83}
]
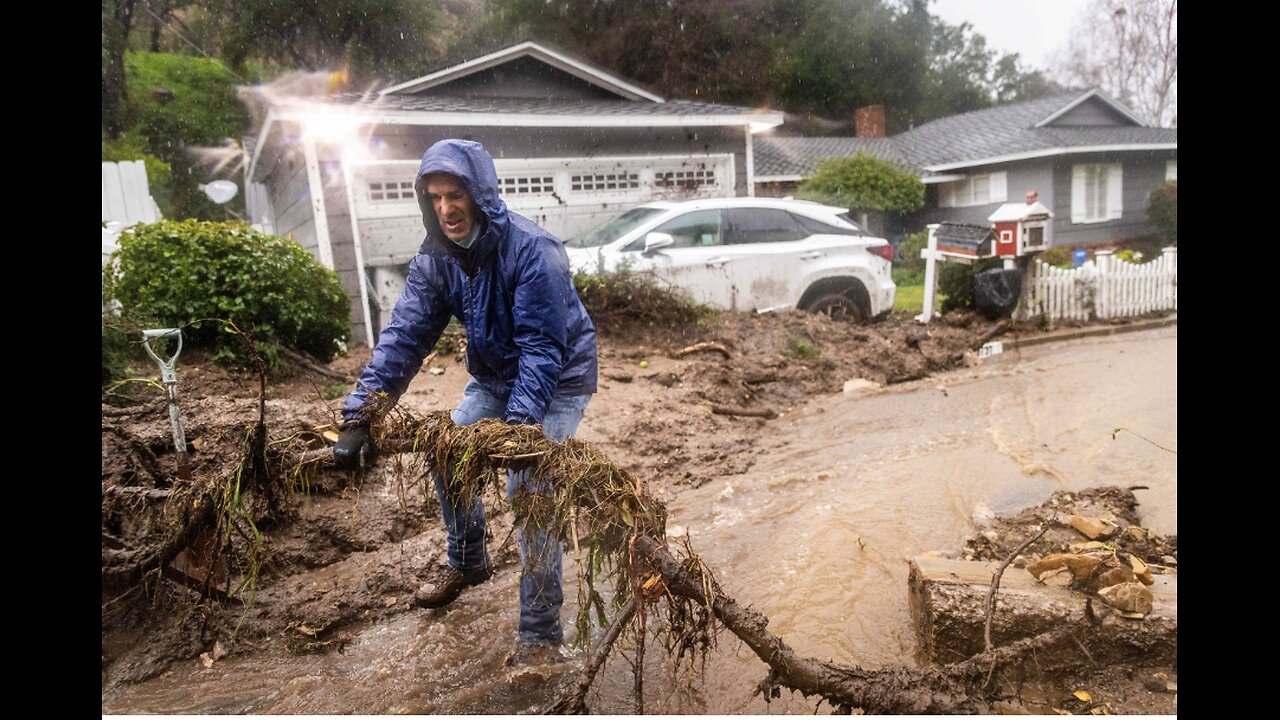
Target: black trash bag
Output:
[{"x": 996, "y": 291}]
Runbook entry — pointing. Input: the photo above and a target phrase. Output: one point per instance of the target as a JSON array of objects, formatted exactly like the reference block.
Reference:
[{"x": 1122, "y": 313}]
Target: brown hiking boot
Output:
[{"x": 448, "y": 584}]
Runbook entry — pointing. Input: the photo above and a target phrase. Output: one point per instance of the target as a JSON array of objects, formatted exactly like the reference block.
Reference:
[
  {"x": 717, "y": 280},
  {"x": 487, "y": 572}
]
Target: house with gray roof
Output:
[
  {"x": 573, "y": 144},
  {"x": 1090, "y": 159}
]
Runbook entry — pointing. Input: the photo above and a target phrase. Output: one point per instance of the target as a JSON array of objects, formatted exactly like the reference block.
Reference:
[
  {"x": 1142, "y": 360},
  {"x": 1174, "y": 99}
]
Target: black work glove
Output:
[{"x": 354, "y": 450}]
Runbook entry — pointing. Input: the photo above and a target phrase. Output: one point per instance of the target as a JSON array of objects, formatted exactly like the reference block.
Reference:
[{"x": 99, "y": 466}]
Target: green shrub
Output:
[
  {"x": 1057, "y": 256},
  {"x": 1162, "y": 209},
  {"x": 903, "y": 277},
  {"x": 181, "y": 272},
  {"x": 1131, "y": 255},
  {"x": 955, "y": 282},
  {"x": 115, "y": 353},
  {"x": 864, "y": 183},
  {"x": 908, "y": 255}
]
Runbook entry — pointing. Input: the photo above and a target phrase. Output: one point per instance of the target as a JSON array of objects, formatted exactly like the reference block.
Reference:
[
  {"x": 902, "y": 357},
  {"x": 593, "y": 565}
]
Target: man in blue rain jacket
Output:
[{"x": 531, "y": 352}]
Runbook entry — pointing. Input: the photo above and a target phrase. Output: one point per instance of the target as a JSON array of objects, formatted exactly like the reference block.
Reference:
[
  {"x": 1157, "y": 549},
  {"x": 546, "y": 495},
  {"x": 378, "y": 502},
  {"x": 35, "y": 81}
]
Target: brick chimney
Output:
[{"x": 868, "y": 121}]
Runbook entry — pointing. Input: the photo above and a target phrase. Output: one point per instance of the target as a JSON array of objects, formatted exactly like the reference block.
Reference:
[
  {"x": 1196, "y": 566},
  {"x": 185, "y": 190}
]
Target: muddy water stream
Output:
[{"x": 816, "y": 536}]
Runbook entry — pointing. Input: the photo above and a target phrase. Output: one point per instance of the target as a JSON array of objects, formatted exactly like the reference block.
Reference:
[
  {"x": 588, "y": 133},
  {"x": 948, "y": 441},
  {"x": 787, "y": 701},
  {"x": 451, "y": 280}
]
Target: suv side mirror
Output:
[{"x": 655, "y": 241}]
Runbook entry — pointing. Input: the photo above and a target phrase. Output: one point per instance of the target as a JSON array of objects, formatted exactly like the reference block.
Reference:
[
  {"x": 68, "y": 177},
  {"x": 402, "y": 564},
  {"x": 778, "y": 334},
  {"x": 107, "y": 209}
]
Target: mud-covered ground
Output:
[
  {"x": 1147, "y": 683},
  {"x": 317, "y": 555}
]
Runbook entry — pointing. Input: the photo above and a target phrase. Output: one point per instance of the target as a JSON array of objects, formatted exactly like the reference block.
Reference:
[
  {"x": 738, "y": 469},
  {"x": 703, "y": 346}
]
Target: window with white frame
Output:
[
  {"x": 603, "y": 181},
  {"x": 1097, "y": 193},
  {"x": 975, "y": 190},
  {"x": 526, "y": 185},
  {"x": 390, "y": 191},
  {"x": 687, "y": 180}
]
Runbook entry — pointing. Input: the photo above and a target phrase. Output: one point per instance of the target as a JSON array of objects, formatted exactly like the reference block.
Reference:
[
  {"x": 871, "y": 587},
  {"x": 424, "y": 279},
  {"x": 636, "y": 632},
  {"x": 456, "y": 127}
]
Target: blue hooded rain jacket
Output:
[{"x": 528, "y": 336}]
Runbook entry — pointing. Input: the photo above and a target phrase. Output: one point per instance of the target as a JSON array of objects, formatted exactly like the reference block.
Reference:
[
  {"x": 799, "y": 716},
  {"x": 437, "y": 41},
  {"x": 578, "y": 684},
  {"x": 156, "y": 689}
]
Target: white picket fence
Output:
[{"x": 1104, "y": 288}]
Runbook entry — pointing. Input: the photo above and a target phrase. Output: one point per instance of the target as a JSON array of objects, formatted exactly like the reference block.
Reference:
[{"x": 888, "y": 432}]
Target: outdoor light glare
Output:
[{"x": 329, "y": 127}]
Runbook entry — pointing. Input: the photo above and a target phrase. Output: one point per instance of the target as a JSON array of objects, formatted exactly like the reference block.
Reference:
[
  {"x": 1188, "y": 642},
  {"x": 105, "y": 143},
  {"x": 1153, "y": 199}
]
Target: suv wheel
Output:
[{"x": 837, "y": 307}]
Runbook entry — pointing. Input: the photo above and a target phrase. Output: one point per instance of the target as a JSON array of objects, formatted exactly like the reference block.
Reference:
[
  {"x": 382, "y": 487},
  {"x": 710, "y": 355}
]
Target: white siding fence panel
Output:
[
  {"x": 126, "y": 197},
  {"x": 1104, "y": 288}
]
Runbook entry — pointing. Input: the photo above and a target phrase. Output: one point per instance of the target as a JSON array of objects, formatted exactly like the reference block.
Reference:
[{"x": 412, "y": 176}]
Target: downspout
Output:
[{"x": 751, "y": 163}]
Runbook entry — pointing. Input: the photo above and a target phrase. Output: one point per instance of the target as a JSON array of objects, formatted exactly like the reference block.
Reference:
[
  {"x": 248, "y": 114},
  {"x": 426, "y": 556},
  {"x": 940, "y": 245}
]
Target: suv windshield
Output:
[{"x": 613, "y": 229}]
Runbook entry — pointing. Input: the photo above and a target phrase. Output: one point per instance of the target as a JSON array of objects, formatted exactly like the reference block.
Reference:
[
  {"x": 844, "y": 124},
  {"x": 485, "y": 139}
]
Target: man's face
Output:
[{"x": 454, "y": 208}]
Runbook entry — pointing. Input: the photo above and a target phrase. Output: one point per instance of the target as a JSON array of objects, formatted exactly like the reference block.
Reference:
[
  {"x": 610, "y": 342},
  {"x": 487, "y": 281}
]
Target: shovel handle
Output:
[{"x": 167, "y": 374}]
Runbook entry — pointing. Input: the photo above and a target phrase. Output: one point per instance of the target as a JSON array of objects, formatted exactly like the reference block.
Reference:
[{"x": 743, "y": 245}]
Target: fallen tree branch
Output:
[
  {"x": 699, "y": 347},
  {"x": 992, "y": 332},
  {"x": 310, "y": 364},
  {"x": 954, "y": 689},
  {"x": 995, "y": 582},
  {"x": 766, "y": 413}
]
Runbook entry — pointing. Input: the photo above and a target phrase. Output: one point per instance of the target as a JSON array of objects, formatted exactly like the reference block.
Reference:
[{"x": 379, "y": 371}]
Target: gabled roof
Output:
[
  {"x": 1025, "y": 130},
  {"x": 794, "y": 158},
  {"x": 560, "y": 60},
  {"x": 1079, "y": 121},
  {"x": 1092, "y": 93}
]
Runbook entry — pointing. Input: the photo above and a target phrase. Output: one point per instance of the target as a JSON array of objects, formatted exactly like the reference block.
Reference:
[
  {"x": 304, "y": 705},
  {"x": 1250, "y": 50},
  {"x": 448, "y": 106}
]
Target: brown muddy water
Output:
[{"x": 816, "y": 536}]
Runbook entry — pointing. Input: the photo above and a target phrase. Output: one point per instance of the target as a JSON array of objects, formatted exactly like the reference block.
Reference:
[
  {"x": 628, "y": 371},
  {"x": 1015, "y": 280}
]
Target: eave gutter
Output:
[{"x": 1050, "y": 152}]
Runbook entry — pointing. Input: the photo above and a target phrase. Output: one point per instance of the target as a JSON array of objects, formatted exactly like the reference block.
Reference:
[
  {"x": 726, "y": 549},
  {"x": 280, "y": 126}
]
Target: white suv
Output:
[{"x": 748, "y": 254}]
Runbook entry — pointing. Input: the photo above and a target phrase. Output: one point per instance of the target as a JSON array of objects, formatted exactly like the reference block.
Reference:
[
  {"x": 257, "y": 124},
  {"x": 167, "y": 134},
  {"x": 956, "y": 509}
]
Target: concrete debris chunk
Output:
[
  {"x": 1093, "y": 528},
  {"x": 1141, "y": 571},
  {"x": 1081, "y": 566},
  {"x": 1132, "y": 597}
]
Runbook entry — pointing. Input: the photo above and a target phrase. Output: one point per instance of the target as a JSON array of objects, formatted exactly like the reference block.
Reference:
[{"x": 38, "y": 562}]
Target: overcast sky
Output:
[{"x": 1031, "y": 28}]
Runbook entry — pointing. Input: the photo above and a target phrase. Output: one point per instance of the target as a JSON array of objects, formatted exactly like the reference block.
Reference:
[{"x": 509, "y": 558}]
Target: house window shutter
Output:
[
  {"x": 1077, "y": 193},
  {"x": 999, "y": 187},
  {"x": 1115, "y": 194}
]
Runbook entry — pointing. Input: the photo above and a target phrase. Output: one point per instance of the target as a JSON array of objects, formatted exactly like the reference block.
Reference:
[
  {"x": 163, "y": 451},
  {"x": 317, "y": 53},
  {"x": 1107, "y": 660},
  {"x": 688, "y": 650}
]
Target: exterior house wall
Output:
[
  {"x": 290, "y": 197},
  {"x": 522, "y": 78},
  {"x": 1142, "y": 173},
  {"x": 408, "y": 143},
  {"x": 1091, "y": 113},
  {"x": 1019, "y": 178}
]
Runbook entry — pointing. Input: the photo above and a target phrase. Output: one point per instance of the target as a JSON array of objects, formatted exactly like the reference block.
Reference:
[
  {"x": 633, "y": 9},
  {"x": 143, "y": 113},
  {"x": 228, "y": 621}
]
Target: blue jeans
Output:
[{"x": 540, "y": 554}]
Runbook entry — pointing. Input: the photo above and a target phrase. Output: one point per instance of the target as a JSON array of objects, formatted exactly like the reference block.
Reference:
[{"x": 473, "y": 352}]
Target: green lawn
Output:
[{"x": 911, "y": 297}]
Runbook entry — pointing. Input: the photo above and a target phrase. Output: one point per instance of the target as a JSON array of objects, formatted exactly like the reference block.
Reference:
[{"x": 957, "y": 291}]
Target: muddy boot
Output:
[
  {"x": 535, "y": 655},
  {"x": 448, "y": 584}
]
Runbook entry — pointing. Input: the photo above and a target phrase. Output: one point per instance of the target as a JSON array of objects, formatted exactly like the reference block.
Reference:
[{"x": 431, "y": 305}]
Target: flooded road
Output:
[{"x": 815, "y": 536}]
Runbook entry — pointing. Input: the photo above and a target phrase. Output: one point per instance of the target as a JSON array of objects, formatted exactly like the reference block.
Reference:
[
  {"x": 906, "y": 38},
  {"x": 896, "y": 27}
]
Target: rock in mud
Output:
[
  {"x": 1114, "y": 576},
  {"x": 665, "y": 379},
  {"x": 1081, "y": 566},
  {"x": 1160, "y": 682},
  {"x": 1141, "y": 571},
  {"x": 1130, "y": 597},
  {"x": 1093, "y": 528}
]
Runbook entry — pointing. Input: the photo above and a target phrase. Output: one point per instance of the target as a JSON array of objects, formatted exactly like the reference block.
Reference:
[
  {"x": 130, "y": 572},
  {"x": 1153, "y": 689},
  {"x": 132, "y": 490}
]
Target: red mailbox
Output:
[{"x": 1021, "y": 228}]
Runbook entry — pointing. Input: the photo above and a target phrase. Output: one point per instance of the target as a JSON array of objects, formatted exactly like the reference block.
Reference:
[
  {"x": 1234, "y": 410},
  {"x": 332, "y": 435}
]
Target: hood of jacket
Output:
[{"x": 473, "y": 165}]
